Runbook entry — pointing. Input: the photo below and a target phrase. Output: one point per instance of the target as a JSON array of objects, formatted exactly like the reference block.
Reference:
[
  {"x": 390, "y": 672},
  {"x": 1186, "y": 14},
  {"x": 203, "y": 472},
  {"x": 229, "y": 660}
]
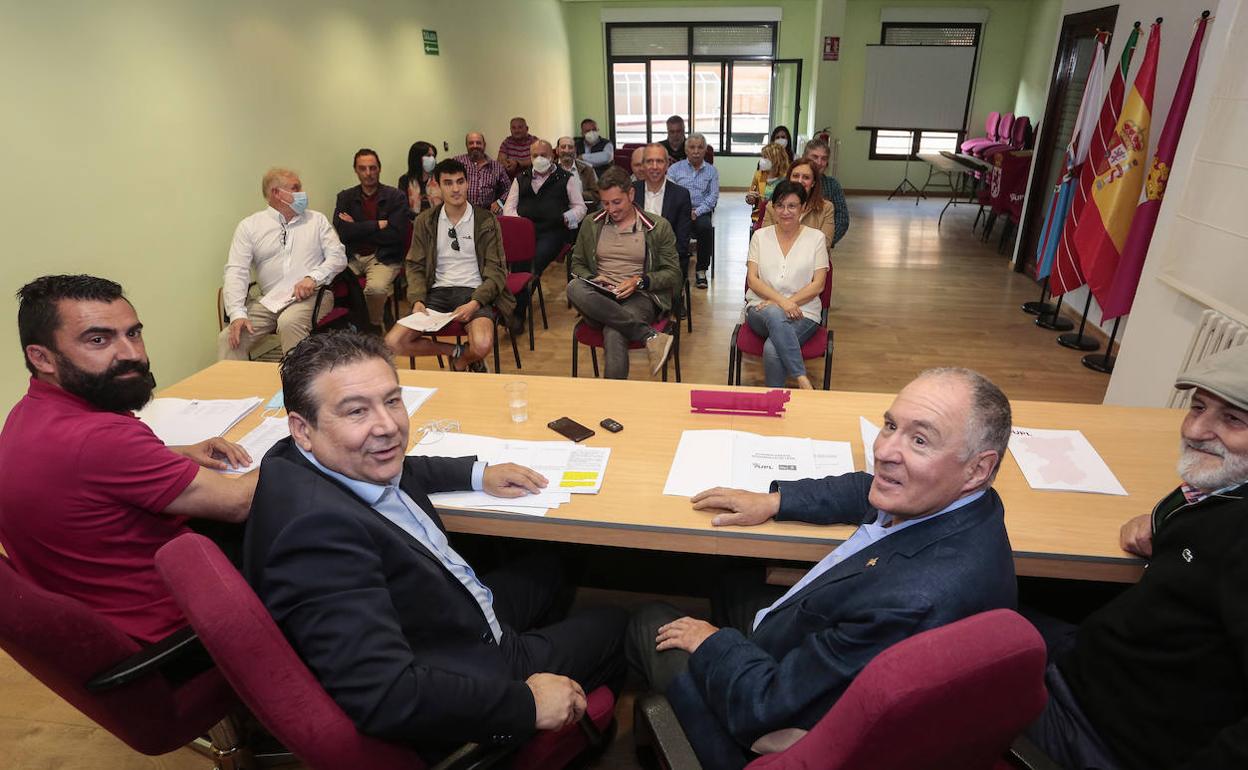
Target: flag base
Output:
[
  {"x": 1077, "y": 342},
  {"x": 1103, "y": 363},
  {"x": 1054, "y": 322},
  {"x": 1038, "y": 308}
]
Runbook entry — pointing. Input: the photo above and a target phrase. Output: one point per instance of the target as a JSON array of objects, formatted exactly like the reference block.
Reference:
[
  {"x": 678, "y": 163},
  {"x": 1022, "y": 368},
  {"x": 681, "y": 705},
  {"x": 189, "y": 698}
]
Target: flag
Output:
[
  {"x": 1122, "y": 288},
  {"x": 1102, "y": 232},
  {"x": 1076, "y": 154},
  {"x": 1066, "y": 275}
]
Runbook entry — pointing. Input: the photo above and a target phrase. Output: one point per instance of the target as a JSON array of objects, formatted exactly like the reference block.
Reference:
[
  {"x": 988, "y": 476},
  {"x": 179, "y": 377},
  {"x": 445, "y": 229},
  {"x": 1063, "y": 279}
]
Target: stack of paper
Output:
[
  {"x": 569, "y": 467},
  {"x": 260, "y": 440},
  {"x": 181, "y": 422},
  {"x": 1062, "y": 460},
  {"x": 730, "y": 458}
]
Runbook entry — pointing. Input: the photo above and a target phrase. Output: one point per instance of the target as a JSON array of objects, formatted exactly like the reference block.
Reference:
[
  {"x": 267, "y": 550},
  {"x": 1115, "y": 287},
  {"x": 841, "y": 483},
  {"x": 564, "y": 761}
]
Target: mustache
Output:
[
  {"x": 127, "y": 367},
  {"x": 1210, "y": 446}
]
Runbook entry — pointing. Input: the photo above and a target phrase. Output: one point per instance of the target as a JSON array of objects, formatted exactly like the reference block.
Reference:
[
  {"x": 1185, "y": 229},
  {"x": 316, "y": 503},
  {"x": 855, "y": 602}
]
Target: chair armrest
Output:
[
  {"x": 148, "y": 660},
  {"x": 1026, "y": 755},
  {"x": 657, "y": 731}
]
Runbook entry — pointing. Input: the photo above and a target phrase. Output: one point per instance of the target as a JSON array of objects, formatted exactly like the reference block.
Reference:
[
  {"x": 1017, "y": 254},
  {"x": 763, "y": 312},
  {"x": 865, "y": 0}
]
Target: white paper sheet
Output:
[
  {"x": 485, "y": 500},
  {"x": 703, "y": 460},
  {"x": 281, "y": 295},
  {"x": 414, "y": 396},
  {"x": 585, "y": 471},
  {"x": 1062, "y": 460},
  {"x": 260, "y": 440},
  {"x": 181, "y": 422},
  {"x": 426, "y": 321},
  {"x": 832, "y": 458},
  {"x": 729, "y": 458},
  {"x": 869, "y": 431}
]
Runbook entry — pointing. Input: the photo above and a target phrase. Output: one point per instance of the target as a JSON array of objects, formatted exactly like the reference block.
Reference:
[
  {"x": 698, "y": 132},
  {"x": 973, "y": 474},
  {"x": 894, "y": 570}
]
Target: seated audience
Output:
[
  {"x": 637, "y": 162},
  {"x": 818, "y": 154},
  {"x": 701, "y": 179},
  {"x": 566, "y": 150},
  {"x": 657, "y": 194},
  {"x": 786, "y": 268},
  {"x": 456, "y": 265},
  {"x": 487, "y": 178},
  {"x": 772, "y": 169},
  {"x": 674, "y": 144},
  {"x": 1155, "y": 678},
  {"x": 89, "y": 493},
  {"x": 633, "y": 259},
  {"x": 417, "y": 181},
  {"x": 513, "y": 152},
  {"x": 371, "y": 220},
  {"x": 816, "y": 212},
  {"x": 349, "y": 555},
  {"x": 293, "y": 251},
  {"x": 780, "y": 135},
  {"x": 931, "y": 548},
  {"x": 593, "y": 148}
]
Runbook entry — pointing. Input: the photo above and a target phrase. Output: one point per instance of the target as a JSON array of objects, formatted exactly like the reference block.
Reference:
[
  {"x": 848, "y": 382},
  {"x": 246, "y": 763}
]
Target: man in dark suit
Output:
[
  {"x": 931, "y": 548},
  {"x": 350, "y": 557},
  {"x": 654, "y": 193}
]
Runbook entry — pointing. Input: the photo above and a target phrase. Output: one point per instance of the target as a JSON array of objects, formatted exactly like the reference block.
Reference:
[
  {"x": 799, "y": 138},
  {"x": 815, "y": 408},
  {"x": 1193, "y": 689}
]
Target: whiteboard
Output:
[{"x": 917, "y": 86}]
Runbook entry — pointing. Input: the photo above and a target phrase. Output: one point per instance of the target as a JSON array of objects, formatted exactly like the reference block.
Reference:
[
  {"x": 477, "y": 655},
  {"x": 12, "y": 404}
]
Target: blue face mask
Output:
[{"x": 299, "y": 202}]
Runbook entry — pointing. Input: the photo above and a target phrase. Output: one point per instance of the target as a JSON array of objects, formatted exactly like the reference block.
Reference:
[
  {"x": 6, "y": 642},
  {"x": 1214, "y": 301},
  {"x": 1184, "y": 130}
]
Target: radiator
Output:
[{"x": 1215, "y": 334}]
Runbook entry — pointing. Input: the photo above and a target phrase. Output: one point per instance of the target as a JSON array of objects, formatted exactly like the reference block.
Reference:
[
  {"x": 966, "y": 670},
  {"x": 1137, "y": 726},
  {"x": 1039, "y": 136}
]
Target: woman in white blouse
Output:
[{"x": 787, "y": 264}]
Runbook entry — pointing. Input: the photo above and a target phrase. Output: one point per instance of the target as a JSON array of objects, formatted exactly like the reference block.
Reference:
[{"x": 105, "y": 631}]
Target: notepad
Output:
[{"x": 182, "y": 422}]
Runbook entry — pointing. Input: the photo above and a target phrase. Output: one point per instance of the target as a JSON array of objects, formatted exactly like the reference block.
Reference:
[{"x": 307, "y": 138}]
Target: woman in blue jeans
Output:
[{"x": 787, "y": 263}]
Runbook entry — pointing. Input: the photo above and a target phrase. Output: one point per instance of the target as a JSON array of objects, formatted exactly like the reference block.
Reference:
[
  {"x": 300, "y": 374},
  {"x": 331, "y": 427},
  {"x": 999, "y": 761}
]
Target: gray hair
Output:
[
  {"x": 988, "y": 428},
  {"x": 273, "y": 178},
  {"x": 695, "y": 137}
]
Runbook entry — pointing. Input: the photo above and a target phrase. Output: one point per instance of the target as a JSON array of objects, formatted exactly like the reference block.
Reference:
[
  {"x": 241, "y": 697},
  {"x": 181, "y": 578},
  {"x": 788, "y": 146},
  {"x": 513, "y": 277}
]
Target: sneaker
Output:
[
  {"x": 701, "y": 279},
  {"x": 658, "y": 347},
  {"x": 478, "y": 366}
]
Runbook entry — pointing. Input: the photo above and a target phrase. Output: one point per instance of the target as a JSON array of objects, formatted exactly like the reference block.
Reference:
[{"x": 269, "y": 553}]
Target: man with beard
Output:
[
  {"x": 487, "y": 178},
  {"x": 88, "y": 492},
  {"x": 1156, "y": 677}
]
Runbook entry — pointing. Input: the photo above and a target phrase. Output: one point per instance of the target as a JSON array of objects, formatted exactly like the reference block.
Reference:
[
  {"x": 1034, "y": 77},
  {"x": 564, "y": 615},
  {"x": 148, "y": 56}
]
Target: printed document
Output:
[
  {"x": 260, "y": 440},
  {"x": 181, "y": 421},
  {"x": 281, "y": 295},
  {"x": 730, "y": 458},
  {"x": 1061, "y": 460},
  {"x": 833, "y": 458},
  {"x": 869, "y": 431},
  {"x": 426, "y": 320}
]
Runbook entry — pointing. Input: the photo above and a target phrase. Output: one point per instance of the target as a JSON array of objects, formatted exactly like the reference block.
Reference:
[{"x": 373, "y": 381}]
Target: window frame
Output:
[
  {"x": 724, "y": 145},
  {"x": 916, "y": 139}
]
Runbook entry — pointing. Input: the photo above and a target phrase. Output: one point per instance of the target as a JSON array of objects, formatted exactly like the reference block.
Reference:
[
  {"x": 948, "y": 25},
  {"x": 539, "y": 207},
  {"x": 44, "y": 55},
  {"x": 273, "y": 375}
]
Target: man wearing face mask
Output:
[
  {"x": 594, "y": 148},
  {"x": 565, "y": 148},
  {"x": 293, "y": 251},
  {"x": 487, "y": 178}
]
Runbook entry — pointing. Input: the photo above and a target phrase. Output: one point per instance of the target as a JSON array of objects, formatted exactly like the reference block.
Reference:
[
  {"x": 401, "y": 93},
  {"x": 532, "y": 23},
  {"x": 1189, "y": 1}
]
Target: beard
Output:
[
  {"x": 1232, "y": 470},
  {"x": 109, "y": 390}
]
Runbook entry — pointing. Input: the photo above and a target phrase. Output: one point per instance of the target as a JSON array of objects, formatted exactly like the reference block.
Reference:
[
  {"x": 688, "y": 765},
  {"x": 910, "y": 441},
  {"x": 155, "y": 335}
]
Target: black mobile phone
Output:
[
  {"x": 570, "y": 429},
  {"x": 611, "y": 425}
]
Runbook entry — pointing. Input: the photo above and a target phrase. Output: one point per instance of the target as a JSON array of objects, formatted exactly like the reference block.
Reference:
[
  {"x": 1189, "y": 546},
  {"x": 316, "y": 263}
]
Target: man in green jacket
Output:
[
  {"x": 456, "y": 266},
  {"x": 624, "y": 275}
]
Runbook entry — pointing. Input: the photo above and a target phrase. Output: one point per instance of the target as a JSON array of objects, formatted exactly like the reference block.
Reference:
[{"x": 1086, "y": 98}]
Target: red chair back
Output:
[
  {"x": 963, "y": 692},
  {"x": 519, "y": 239},
  {"x": 256, "y": 659},
  {"x": 1020, "y": 134},
  {"x": 64, "y": 643},
  {"x": 990, "y": 125}
]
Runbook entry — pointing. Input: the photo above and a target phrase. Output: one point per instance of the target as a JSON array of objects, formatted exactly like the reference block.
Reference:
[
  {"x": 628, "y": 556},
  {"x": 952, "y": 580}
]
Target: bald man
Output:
[
  {"x": 487, "y": 178},
  {"x": 638, "y": 164}
]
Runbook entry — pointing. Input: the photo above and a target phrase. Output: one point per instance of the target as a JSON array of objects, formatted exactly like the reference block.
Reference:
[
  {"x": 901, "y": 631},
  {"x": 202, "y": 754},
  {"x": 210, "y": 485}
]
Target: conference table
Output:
[{"x": 1053, "y": 534}]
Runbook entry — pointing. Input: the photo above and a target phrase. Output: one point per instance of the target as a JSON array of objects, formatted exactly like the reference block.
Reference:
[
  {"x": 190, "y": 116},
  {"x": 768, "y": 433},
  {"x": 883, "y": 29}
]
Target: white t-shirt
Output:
[
  {"x": 457, "y": 267},
  {"x": 789, "y": 274}
]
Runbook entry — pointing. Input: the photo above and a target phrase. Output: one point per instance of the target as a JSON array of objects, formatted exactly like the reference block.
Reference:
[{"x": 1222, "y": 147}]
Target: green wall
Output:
[
  {"x": 1037, "y": 69},
  {"x": 135, "y": 133},
  {"x": 798, "y": 40}
]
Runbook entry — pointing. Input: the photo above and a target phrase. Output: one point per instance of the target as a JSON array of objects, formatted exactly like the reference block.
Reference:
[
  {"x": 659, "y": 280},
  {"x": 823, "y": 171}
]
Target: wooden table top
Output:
[{"x": 1054, "y": 534}]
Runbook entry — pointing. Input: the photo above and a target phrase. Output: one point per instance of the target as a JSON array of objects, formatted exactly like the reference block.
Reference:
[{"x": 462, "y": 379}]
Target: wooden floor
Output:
[{"x": 907, "y": 296}]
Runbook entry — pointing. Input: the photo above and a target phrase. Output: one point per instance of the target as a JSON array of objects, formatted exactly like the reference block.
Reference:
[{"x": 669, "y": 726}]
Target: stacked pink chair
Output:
[{"x": 990, "y": 136}]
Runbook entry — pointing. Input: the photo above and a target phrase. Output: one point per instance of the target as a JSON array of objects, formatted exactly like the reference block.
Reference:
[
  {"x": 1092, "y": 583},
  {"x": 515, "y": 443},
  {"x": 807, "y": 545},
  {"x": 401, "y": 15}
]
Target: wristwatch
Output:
[{"x": 644, "y": 283}]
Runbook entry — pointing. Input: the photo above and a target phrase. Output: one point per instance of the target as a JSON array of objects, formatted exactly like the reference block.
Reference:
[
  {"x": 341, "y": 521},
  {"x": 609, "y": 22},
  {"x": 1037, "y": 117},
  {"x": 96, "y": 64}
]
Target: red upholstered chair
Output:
[
  {"x": 273, "y": 681},
  {"x": 1005, "y": 138},
  {"x": 990, "y": 135},
  {"x": 818, "y": 345},
  {"x": 952, "y": 698},
  {"x": 519, "y": 242},
  {"x": 584, "y": 334},
  {"x": 65, "y": 644}
]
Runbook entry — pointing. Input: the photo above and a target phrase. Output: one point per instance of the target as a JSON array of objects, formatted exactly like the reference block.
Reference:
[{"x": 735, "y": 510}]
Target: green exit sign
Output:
[{"x": 431, "y": 41}]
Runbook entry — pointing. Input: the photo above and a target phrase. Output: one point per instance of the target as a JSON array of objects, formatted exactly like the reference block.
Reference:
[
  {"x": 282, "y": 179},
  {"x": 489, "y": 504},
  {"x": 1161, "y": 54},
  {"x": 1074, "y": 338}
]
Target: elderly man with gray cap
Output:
[{"x": 1158, "y": 677}]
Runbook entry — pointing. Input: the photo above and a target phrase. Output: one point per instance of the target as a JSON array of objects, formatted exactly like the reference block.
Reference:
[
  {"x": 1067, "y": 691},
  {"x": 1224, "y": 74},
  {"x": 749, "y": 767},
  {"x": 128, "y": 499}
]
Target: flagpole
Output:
[
  {"x": 1105, "y": 362},
  {"x": 1053, "y": 321},
  {"x": 1076, "y": 341},
  {"x": 1036, "y": 307}
]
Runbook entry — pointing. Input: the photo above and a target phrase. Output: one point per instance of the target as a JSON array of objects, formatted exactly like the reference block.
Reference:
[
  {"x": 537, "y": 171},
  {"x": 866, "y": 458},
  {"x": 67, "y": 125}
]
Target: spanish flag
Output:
[{"x": 1102, "y": 231}]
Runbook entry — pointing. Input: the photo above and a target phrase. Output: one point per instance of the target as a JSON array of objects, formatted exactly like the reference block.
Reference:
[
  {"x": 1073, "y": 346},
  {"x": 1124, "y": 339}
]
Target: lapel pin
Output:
[
  {"x": 871, "y": 562},
  {"x": 1187, "y": 555}
]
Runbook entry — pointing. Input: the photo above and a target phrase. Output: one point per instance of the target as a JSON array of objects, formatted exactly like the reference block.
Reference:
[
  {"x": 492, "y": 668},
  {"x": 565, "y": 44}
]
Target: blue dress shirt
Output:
[
  {"x": 865, "y": 535},
  {"x": 702, "y": 184}
]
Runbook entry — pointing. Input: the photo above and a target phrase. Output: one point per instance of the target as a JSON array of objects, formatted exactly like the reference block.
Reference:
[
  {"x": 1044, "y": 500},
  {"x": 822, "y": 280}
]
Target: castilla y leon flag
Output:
[
  {"x": 1066, "y": 275},
  {"x": 1102, "y": 232},
  {"x": 1122, "y": 288}
]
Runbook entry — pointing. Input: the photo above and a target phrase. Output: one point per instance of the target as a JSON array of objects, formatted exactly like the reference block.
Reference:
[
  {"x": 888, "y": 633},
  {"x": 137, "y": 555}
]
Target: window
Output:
[
  {"x": 717, "y": 76},
  {"x": 898, "y": 145}
]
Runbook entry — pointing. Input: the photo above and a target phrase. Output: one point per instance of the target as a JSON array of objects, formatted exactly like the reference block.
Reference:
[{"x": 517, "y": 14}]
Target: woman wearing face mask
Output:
[
  {"x": 780, "y": 135},
  {"x": 786, "y": 267},
  {"x": 816, "y": 212},
  {"x": 772, "y": 169},
  {"x": 422, "y": 189}
]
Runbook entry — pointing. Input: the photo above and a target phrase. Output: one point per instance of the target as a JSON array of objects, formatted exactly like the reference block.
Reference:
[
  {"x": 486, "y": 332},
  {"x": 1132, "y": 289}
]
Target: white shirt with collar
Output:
[
  {"x": 576, "y": 196},
  {"x": 279, "y": 250},
  {"x": 457, "y": 267},
  {"x": 654, "y": 200}
]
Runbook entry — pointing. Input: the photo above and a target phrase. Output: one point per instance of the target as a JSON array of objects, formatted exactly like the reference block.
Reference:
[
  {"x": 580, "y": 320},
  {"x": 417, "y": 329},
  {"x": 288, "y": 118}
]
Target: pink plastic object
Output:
[{"x": 769, "y": 404}]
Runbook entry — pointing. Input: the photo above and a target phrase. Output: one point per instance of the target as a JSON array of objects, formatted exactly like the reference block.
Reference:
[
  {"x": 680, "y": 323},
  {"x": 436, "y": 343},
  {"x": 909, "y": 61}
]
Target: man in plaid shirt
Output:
[{"x": 488, "y": 181}]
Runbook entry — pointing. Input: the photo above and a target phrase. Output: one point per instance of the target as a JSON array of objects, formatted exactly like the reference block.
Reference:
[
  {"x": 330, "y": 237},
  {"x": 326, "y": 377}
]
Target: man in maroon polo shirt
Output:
[{"x": 88, "y": 493}]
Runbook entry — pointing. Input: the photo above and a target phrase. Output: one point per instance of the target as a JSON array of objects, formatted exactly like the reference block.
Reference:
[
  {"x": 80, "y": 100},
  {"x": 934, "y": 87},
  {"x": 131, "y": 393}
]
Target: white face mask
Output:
[
  {"x": 591, "y": 138},
  {"x": 764, "y": 165},
  {"x": 427, "y": 163},
  {"x": 780, "y": 140},
  {"x": 541, "y": 164}
]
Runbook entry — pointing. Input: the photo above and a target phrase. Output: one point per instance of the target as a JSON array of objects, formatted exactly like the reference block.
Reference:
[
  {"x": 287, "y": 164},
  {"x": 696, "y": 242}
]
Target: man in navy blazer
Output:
[
  {"x": 931, "y": 548},
  {"x": 669, "y": 200},
  {"x": 347, "y": 552}
]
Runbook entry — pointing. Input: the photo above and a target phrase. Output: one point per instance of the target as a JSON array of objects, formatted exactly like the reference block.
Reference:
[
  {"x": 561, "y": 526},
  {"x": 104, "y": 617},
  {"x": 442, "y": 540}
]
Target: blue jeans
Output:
[{"x": 782, "y": 351}]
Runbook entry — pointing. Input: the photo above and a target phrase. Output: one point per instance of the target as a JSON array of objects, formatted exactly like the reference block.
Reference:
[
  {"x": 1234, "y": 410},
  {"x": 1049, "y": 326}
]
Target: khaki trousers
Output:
[
  {"x": 378, "y": 278},
  {"x": 292, "y": 325}
]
